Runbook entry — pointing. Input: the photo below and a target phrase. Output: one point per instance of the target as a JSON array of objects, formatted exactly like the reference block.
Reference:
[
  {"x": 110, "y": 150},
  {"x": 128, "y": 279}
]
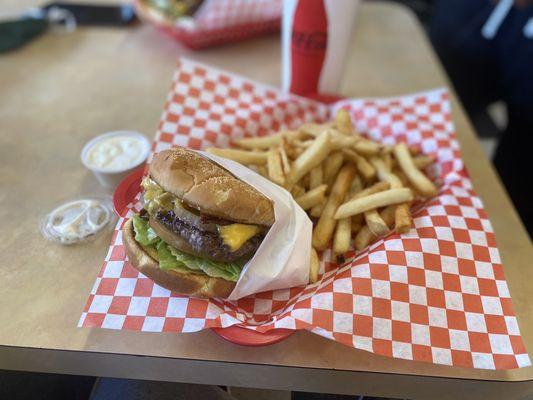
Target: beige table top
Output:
[{"x": 61, "y": 90}]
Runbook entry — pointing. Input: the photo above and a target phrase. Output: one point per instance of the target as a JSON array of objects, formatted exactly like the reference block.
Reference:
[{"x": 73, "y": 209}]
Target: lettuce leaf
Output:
[
  {"x": 168, "y": 261},
  {"x": 174, "y": 259},
  {"x": 226, "y": 270},
  {"x": 144, "y": 234}
]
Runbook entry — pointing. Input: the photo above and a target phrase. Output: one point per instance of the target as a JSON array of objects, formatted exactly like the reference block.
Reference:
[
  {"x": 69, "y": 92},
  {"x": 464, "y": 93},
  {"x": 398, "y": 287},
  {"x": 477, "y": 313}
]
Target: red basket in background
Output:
[{"x": 217, "y": 21}]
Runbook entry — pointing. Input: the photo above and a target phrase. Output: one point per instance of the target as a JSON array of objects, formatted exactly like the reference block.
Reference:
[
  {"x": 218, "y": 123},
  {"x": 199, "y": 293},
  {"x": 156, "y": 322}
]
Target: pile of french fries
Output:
[{"x": 353, "y": 188}]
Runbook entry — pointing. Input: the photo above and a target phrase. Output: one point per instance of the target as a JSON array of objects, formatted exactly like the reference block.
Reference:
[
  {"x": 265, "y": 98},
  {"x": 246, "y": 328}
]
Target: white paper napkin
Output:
[{"x": 282, "y": 260}]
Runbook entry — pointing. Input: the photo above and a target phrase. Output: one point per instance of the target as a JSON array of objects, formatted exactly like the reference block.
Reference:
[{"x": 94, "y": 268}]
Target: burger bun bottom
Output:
[{"x": 195, "y": 285}]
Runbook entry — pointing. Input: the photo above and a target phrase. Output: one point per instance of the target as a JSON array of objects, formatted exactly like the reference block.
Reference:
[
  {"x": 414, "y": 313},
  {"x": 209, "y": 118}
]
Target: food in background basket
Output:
[
  {"x": 354, "y": 188},
  {"x": 201, "y": 24},
  {"x": 174, "y": 9},
  {"x": 198, "y": 227}
]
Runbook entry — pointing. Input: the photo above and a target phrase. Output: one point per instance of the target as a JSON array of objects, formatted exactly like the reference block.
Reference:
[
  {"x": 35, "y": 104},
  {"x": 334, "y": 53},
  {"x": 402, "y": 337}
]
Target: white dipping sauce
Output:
[{"x": 116, "y": 153}]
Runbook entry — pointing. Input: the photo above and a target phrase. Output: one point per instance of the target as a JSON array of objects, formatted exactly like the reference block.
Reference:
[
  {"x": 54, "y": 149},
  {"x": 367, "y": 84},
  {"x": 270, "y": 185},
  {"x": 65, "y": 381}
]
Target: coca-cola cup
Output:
[{"x": 315, "y": 39}]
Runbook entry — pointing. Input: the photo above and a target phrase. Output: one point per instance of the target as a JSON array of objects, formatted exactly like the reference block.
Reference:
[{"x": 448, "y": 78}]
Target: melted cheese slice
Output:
[{"x": 235, "y": 235}]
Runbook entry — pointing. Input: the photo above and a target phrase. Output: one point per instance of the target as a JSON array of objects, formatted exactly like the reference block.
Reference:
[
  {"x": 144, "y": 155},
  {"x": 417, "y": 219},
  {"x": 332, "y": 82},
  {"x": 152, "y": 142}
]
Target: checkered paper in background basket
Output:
[
  {"x": 220, "y": 21},
  {"x": 435, "y": 294}
]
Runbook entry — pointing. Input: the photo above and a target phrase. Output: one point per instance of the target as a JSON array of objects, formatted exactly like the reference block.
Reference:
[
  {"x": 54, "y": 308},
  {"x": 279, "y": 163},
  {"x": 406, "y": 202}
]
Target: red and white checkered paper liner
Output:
[
  {"x": 435, "y": 294},
  {"x": 221, "y": 21}
]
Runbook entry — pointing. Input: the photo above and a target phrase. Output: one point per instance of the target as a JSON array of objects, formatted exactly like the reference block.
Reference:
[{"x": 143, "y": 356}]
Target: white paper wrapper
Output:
[{"x": 283, "y": 257}]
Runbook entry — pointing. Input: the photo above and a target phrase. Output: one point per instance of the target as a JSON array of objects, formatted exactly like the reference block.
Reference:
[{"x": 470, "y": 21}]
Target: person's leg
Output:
[
  {"x": 514, "y": 154},
  {"x": 514, "y": 162},
  {"x": 470, "y": 60}
]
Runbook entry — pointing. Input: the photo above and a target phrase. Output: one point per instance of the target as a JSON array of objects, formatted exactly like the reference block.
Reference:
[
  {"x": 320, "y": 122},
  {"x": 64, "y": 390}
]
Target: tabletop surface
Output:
[{"x": 61, "y": 90}]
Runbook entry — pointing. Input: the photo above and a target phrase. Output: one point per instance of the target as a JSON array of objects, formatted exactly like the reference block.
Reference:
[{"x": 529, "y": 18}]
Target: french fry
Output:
[
  {"x": 293, "y": 140},
  {"x": 358, "y": 221},
  {"x": 294, "y": 152},
  {"x": 310, "y": 158},
  {"x": 365, "y": 237},
  {"x": 367, "y": 171},
  {"x": 375, "y": 188},
  {"x": 297, "y": 191},
  {"x": 290, "y": 151},
  {"x": 367, "y": 147},
  {"x": 316, "y": 211},
  {"x": 340, "y": 141},
  {"x": 384, "y": 174},
  {"x": 387, "y": 214},
  {"x": 326, "y": 224},
  {"x": 314, "y": 267},
  {"x": 343, "y": 231},
  {"x": 343, "y": 122},
  {"x": 275, "y": 168},
  {"x": 375, "y": 223},
  {"x": 265, "y": 142},
  {"x": 305, "y": 181},
  {"x": 423, "y": 161},
  {"x": 376, "y": 200},
  {"x": 316, "y": 177},
  {"x": 356, "y": 186},
  {"x": 414, "y": 150},
  {"x": 342, "y": 236},
  {"x": 333, "y": 165},
  {"x": 303, "y": 143},
  {"x": 262, "y": 170},
  {"x": 314, "y": 129},
  {"x": 387, "y": 160},
  {"x": 312, "y": 198},
  {"x": 241, "y": 156},
  {"x": 330, "y": 170},
  {"x": 284, "y": 159},
  {"x": 419, "y": 181},
  {"x": 401, "y": 176},
  {"x": 396, "y": 180},
  {"x": 403, "y": 218},
  {"x": 386, "y": 149}
]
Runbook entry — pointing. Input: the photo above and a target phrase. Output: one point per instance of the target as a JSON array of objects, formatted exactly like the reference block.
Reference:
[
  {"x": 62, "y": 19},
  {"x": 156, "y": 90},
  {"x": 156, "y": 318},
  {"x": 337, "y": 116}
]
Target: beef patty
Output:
[{"x": 208, "y": 243}]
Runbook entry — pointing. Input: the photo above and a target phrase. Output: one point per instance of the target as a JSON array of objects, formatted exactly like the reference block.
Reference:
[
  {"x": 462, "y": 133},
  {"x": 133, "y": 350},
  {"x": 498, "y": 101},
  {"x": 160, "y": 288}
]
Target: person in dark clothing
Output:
[{"x": 487, "y": 48}]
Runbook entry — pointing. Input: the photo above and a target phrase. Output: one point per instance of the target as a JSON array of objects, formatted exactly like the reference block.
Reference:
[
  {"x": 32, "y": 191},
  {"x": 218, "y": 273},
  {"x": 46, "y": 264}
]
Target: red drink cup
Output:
[{"x": 316, "y": 34}]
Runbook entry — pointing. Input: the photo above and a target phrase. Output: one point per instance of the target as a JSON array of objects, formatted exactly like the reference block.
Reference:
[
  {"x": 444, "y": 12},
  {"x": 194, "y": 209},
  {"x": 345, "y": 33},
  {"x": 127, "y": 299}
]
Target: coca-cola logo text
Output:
[{"x": 309, "y": 41}]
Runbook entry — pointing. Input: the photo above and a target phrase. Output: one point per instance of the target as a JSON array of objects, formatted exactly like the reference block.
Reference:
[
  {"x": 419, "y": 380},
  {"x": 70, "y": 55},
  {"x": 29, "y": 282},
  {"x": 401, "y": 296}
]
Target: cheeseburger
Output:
[{"x": 199, "y": 225}]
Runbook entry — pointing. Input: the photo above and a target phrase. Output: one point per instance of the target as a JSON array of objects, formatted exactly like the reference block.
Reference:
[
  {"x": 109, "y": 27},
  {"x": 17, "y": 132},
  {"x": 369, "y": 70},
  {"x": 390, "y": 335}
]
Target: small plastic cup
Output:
[
  {"x": 107, "y": 177},
  {"x": 78, "y": 220}
]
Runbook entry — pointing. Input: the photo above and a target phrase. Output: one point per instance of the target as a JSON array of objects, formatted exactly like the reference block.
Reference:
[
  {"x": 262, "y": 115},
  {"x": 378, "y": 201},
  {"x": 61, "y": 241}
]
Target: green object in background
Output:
[{"x": 14, "y": 34}]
